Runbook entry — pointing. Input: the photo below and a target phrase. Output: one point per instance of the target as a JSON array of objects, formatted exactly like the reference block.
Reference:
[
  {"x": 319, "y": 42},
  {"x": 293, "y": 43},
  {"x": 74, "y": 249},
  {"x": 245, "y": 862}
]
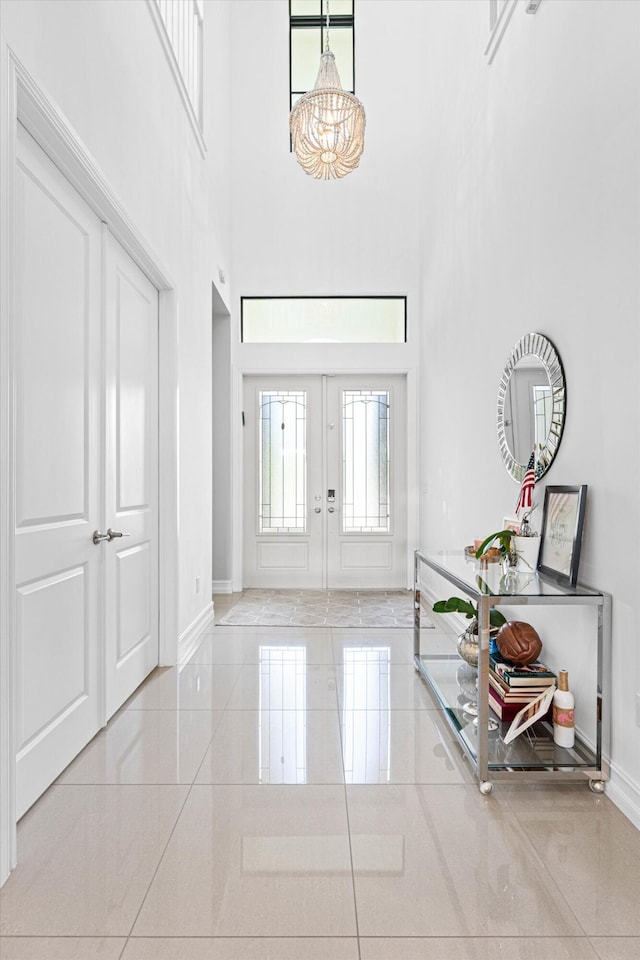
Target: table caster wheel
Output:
[
  {"x": 486, "y": 787},
  {"x": 596, "y": 786}
]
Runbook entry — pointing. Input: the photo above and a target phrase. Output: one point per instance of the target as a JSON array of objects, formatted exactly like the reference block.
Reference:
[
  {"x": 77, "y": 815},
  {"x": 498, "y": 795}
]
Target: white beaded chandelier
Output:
[{"x": 327, "y": 124}]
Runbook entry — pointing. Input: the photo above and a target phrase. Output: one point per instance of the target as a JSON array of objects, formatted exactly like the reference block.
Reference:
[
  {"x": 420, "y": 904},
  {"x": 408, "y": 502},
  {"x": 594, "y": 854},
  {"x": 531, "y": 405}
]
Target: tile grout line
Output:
[
  {"x": 180, "y": 812},
  {"x": 543, "y": 865},
  {"x": 346, "y": 808},
  {"x": 160, "y": 859}
]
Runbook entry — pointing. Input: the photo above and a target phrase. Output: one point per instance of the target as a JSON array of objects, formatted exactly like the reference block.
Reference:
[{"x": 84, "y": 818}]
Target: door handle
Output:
[
  {"x": 113, "y": 534},
  {"x": 331, "y": 509},
  {"x": 108, "y": 536},
  {"x": 318, "y": 509}
]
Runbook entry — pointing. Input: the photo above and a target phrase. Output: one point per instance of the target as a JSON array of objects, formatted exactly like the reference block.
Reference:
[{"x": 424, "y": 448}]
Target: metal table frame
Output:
[{"x": 485, "y": 771}]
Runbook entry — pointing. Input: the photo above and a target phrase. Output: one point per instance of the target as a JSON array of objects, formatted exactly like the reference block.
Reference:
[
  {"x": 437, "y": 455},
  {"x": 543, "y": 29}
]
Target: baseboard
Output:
[
  {"x": 221, "y": 586},
  {"x": 622, "y": 791},
  {"x": 189, "y": 640}
]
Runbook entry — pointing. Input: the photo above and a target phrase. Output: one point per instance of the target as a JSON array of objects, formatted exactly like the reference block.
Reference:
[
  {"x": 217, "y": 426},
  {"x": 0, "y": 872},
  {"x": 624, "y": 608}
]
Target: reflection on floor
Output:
[
  {"x": 321, "y": 608},
  {"x": 294, "y": 794}
]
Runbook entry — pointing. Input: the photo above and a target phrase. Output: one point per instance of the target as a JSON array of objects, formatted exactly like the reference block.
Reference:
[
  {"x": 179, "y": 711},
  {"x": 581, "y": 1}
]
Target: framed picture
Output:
[
  {"x": 531, "y": 712},
  {"x": 510, "y": 523},
  {"x": 562, "y": 522}
]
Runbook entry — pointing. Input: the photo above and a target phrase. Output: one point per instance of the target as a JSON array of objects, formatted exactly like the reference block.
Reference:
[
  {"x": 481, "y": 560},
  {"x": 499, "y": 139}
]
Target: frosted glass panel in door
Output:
[
  {"x": 282, "y": 466},
  {"x": 365, "y": 461},
  {"x": 542, "y": 414}
]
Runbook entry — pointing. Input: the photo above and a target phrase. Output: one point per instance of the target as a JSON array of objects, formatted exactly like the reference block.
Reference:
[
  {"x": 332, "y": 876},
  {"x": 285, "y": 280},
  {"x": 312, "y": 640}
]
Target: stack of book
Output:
[{"x": 512, "y": 685}]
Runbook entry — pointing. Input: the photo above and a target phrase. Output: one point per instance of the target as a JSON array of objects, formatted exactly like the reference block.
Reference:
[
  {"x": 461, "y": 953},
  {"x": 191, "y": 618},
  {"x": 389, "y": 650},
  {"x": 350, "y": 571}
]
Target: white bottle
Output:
[{"x": 563, "y": 719}]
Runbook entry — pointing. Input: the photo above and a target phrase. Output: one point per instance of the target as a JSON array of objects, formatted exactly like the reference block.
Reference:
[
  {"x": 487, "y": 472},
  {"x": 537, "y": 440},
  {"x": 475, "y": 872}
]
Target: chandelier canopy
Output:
[{"x": 327, "y": 124}]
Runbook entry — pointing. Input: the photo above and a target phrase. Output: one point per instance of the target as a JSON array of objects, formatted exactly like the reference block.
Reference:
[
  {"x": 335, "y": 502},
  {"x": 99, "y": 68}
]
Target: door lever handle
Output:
[
  {"x": 113, "y": 534},
  {"x": 108, "y": 536}
]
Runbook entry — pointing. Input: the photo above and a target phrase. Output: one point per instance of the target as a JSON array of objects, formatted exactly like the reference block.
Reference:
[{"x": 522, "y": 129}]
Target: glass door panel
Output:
[
  {"x": 283, "y": 529},
  {"x": 282, "y": 461},
  {"x": 366, "y": 456},
  {"x": 365, "y": 461}
]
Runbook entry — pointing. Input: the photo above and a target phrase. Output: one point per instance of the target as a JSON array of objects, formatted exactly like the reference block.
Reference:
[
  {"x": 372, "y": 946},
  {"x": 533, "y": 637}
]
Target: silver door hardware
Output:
[
  {"x": 331, "y": 509},
  {"x": 318, "y": 509},
  {"x": 108, "y": 536}
]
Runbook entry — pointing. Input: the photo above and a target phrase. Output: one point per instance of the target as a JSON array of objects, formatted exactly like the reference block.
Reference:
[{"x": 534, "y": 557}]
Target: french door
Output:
[
  {"x": 85, "y": 463},
  {"x": 325, "y": 490}
]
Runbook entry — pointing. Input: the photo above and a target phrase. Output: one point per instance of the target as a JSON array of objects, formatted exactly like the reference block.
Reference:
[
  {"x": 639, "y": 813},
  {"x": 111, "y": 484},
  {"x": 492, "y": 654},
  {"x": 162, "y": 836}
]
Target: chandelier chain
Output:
[{"x": 326, "y": 45}]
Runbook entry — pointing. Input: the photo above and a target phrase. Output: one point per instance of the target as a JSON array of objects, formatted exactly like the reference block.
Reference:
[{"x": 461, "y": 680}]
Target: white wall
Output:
[
  {"x": 531, "y": 206},
  {"x": 291, "y": 233},
  {"x": 102, "y": 64}
]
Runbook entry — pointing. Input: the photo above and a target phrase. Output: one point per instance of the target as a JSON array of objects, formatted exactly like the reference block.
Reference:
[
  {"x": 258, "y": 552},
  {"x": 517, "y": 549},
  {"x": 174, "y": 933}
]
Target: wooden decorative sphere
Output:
[{"x": 518, "y": 642}]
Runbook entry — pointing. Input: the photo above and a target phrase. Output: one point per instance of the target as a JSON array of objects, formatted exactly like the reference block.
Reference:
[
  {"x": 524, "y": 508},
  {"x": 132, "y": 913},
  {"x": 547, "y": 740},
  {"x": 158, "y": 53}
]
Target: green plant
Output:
[
  {"x": 504, "y": 540},
  {"x": 457, "y": 605}
]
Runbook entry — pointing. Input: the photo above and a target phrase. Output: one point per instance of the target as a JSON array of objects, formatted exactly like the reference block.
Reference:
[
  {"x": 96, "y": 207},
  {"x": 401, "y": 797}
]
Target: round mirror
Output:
[{"x": 531, "y": 406}]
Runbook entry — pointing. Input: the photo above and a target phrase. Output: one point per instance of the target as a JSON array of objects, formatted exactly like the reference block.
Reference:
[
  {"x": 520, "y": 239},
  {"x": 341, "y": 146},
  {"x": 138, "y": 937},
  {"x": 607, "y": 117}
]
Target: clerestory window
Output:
[
  {"x": 307, "y": 36},
  {"x": 323, "y": 319}
]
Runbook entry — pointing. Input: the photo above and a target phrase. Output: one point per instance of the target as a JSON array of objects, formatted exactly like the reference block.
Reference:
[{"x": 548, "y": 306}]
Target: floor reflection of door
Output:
[
  {"x": 365, "y": 717},
  {"x": 282, "y": 733},
  {"x": 325, "y": 497}
]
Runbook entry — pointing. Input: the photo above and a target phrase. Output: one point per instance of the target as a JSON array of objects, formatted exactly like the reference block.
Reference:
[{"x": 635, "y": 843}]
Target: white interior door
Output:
[
  {"x": 86, "y": 369},
  {"x": 131, "y": 476},
  {"x": 325, "y": 497},
  {"x": 57, "y": 566}
]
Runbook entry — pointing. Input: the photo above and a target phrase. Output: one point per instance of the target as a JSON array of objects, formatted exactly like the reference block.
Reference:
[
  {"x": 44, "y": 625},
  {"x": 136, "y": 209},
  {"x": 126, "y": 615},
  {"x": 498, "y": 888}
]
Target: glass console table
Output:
[{"x": 533, "y": 753}]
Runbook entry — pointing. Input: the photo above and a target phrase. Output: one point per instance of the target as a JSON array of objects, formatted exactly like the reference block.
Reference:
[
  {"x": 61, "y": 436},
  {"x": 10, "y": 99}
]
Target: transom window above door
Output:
[{"x": 323, "y": 320}]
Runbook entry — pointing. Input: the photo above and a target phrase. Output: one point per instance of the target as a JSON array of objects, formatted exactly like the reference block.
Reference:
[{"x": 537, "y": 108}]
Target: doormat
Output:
[{"x": 322, "y": 608}]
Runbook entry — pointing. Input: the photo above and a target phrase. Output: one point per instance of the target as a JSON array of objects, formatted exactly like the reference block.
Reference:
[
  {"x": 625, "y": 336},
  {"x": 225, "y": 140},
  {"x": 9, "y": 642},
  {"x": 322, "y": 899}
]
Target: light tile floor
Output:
[{"x": 277, "y": 799}]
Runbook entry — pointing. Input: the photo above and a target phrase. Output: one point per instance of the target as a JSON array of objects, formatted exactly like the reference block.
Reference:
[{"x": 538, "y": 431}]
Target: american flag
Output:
[{"x": 525, "y": 497}]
